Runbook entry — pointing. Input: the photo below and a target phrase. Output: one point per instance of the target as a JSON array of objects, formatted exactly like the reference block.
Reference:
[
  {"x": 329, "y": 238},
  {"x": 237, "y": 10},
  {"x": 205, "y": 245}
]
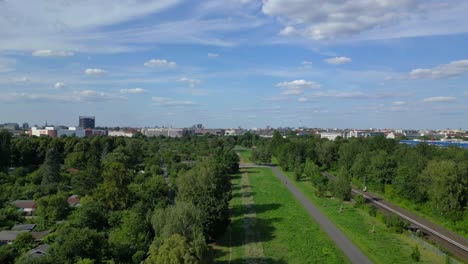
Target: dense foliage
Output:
[
  {"x": 125, "y": 213},
  {"x": 431, "y": 177}
]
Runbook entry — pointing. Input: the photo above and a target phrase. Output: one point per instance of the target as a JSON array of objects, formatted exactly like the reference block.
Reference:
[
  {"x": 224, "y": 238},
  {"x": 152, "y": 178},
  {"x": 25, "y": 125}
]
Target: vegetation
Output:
[
  {"x": 125, "y": 214},
  {"x": 432, "y": 181}
]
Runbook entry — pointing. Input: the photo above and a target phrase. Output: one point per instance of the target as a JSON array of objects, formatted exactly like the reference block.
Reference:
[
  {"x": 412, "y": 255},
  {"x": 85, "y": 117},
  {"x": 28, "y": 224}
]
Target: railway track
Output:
[{"x": 455, "y": 244}]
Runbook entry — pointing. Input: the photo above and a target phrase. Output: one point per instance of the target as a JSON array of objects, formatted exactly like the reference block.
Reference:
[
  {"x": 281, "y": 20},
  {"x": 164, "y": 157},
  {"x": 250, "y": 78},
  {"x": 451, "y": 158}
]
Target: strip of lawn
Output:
[
  {"x": 246, "y": 155},
  {"x": 234, "y": 236},
  {"x": 382, "y": 246},
  {"x": 287, "y": 231}
]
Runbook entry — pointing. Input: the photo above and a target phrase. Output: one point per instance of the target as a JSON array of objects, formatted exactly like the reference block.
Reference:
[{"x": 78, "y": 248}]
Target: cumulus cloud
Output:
[
  {"x": 452, "y": 69},
  {"x": 399, "y": 103},
  {"x": 302, "y": 99},
  {"x": 439, "y": 99},
  {"x": 94, "y": 96},
  {"x": 328, "y": 20},
  {"x": 213, "y": 55},
  {"x": 133, "y": 91},
  {"x": 59, "y": 85},
  {"x": 164, "y": 101},
  {"x": 306, "y": 63},
  {"x": 191, "y": 82},
  {"x": 95, "y": 72},
  {"x": 52, "y": 53},
  {"x": 297, "y": 87},
  {"x": 338, "y": 60},
  {"x": 159, "y": 63}
]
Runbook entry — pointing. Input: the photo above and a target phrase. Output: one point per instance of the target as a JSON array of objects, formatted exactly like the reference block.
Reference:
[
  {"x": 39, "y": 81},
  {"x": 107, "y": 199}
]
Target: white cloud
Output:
[
  {"x": 288, "y": 31},
  {"x": 306, "y": 63},
  {"x": 59, "y": 85},
  {"x": 299, "y": 84},
  {"x": 452, "y": 69},
  {"x": 319, "y": 20},
  {"x": 338, "y": 60},
  {"x": 439, "y": 99},
  {"x": 191, "y": 82},
  {"x": 133, "y": 91},
  {"x": 95, "y": 72},
  {"x": 213, "y": 55},
  {"x": 302, "y": 99},
  {"x": 399, "y": 103},
  {"x": 21, "y": 79},
  {"x": 83, "y": 96},
  {"x": 159, "y": 63},
  {"x": 52, "y": 53},
  {"x": 164, "y": 101}
]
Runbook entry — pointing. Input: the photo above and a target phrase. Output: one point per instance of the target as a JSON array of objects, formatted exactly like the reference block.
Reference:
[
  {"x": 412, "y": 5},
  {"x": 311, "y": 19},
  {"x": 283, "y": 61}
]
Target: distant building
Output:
[
  {"x": 364, "y": 133},
  {"x": 43, "y": 132},
  {"x": 39, "y": 251},
  {"x": 72, "y": 132},
  {"x": 87, "y": 122},
  {"x": 26, "y": 206},
  {"x": 119, "y": 133},
  {"x": 331, "y": 135},
  {"x": 10, "y": 127}
]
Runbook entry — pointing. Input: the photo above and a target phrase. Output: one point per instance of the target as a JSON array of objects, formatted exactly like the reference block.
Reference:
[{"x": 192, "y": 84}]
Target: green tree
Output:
[
  {"x": 52, "y": 209},
  {"x": 174, "y": 250},
  {"x": 312, "y": 172},
  {"x": 113, "y": 192},
  {"x": 51, "y": 174},
  {"x": 341, "y": 187},
  {"x": 72, "y": 244},
  {"x": 5, "y": 148},
  {"x": 89, "y": 215},
  {"x": 24, "y": 242}
]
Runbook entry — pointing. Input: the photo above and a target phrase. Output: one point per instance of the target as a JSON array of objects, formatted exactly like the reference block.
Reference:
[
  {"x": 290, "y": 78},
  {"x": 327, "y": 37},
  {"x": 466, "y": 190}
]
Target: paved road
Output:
[{"x": 350, "y": 250}]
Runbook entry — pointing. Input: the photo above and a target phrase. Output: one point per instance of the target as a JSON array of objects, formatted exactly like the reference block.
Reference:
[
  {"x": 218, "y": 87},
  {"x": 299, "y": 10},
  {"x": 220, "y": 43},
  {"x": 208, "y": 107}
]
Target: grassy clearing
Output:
[
  {"x": 288, "y": 233},
  {"x": 246, "y": 155},
  {"x": 230, "y": 245},
  {"x": 382, "y": 246}
]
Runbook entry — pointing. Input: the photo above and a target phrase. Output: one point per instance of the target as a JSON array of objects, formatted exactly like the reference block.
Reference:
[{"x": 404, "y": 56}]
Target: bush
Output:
[
  {"x": 415, "y": 254},
  {"x": 359, "y": 200},
  {"x": 395, "y": 223},
  {"x": 373, "y": 211}
]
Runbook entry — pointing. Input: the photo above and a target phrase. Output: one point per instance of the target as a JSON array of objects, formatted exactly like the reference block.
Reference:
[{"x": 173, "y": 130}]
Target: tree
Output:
[
  {"x": 52, "y": 209},
  {"x": 129, "y": 238},
  {"x": 51, "y": 173},
  {"x": 24, "y": 242},
  {"x": 174, "y": 250},
  {"x": 72, "y": 244},
  {"x": 113, "y": 192},
  {"x": 89, "y": 215},
  {"x": 342, "y": 186},
  {"x": 312, "y": 172},
  {"x": 208, "y": 187},
  {"x": 298, "y": 171},
  {"x": 5, "y": 148},
  {"x": 184, "y": 219}
]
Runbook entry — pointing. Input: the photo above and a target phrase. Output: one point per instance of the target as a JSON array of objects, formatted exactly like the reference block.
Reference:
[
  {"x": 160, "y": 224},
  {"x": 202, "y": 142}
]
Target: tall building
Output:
[{"x": 87, "y": 122}]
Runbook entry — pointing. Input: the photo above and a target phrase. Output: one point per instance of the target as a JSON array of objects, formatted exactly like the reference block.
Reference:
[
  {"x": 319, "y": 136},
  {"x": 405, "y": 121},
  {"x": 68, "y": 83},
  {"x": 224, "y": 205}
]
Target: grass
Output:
[
  {"x": 289, "y": 234},
  {"x": 246, "y": 155},
  {"x": 286, "y": 231},
  {"x": 382, "y": 246},
  {"x": 232, "y": 239}
]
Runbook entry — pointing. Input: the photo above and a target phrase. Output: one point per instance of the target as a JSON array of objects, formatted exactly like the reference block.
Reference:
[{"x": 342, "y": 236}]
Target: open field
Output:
[
  {"x": 283, "y": 227},
  {"x": 381, "y": 246},
  {"x": 246, "y": 155}
]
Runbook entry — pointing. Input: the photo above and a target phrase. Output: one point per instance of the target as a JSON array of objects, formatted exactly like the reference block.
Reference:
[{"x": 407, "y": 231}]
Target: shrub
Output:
[{"x": 415, "y": 254}]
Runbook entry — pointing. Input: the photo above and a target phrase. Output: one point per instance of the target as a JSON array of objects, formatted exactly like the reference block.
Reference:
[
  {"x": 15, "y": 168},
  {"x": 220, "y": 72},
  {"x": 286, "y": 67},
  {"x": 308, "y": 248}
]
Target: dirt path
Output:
[{"x": 253, "y": 248}]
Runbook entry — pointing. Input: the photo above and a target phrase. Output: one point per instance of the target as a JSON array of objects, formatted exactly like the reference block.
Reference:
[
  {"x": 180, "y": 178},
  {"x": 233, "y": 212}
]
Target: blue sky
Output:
[{"x": 249, "y": 63}]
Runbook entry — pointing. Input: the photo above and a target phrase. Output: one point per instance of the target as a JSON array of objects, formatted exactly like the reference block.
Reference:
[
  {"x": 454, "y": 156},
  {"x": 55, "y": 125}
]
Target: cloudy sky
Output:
[{"x": 249, "y": 63}]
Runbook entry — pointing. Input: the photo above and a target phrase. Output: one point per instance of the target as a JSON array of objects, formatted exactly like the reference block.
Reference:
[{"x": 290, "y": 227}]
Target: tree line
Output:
[{"x": 125, "y": 214}]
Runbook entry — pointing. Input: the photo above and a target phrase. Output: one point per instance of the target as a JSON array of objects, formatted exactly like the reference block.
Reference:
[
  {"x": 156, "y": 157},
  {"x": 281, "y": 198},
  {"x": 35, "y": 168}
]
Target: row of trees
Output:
[
  {"x": 125, "y": 215},
  {"x": 425, "y": 175}
]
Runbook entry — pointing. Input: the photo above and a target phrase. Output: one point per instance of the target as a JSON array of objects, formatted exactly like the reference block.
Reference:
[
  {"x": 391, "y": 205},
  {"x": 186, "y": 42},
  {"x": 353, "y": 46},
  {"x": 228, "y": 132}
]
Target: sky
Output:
[{"x": 231, "y": 63}]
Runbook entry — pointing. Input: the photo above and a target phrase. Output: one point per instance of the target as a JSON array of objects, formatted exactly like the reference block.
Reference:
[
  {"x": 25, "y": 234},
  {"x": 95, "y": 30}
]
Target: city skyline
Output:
[{"x": 402, "y": 64}]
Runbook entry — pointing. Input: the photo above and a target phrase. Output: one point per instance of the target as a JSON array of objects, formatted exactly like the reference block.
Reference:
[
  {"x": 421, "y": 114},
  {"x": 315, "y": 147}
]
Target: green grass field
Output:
[
  {"x": 383, "y": 246},
  {"x": 246, "y": 155},
  {"x": 287, "y": 232}
]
